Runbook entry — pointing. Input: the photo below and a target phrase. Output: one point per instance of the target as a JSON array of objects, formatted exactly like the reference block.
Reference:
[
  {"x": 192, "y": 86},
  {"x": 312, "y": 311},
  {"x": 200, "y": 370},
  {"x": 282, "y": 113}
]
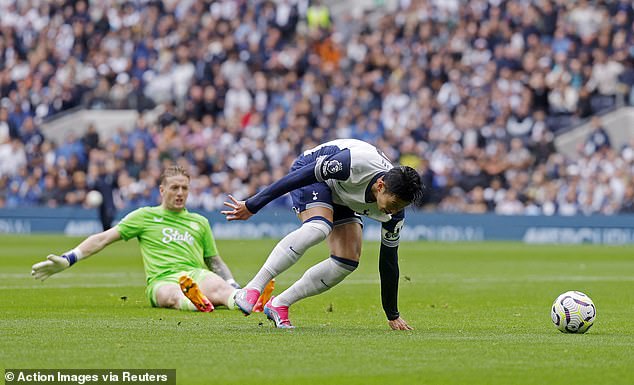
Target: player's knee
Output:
[
  {"x": 220, "y": 293},
  {"x": 215, "y": 288},
  {"x": 312, "y": 232},
  {"x": 318, "y": 228},
  {"x": 168, "y": 297}
]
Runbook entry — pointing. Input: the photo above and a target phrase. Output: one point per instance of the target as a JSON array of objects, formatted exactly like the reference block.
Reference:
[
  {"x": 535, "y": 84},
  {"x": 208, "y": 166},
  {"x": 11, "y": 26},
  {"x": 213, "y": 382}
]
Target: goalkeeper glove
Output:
[{"x": 54, "y": 264}]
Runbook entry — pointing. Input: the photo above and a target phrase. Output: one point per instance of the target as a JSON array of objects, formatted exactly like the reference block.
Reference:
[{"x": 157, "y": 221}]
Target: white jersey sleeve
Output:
[{"x": 350, "y": 174}]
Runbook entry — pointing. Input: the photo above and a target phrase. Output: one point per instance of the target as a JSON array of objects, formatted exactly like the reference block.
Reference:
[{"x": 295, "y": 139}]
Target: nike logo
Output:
[
  {"x": 157, "y": 219},
  {"x": 293, "y": 250},
  {"x": 322, "y": 281}
]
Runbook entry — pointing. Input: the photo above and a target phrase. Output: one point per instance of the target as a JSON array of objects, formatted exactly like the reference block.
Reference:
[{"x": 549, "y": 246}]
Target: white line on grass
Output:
[
  {"x": 533, "y": 279},
  {"x": 70, "y": 275},
  {"x": 69, "y": 286},
  {"x": 134, "y": 280}
]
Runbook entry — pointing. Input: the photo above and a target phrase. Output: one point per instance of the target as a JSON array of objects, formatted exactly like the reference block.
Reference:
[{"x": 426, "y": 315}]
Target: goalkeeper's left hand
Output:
[
  {"x": 53, "y": 264},
  {"x": 399, "y": 324}
]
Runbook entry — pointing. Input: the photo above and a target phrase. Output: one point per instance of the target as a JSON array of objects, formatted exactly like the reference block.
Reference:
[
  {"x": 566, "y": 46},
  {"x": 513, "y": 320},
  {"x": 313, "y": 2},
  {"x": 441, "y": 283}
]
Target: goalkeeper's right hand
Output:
[{"x": 53, "y": 264}]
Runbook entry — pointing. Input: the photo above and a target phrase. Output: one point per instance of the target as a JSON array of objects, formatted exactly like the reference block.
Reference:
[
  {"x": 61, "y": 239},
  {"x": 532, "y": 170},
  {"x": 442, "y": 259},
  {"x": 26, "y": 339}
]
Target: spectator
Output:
[
  {"x": 102, "y": 177},
  {"x": 510, "y": 204},
  {"x": 517, "y": 159},
  {"x": 605, "y": 74},
  {"x": 476, "y": 203},
  {"x": 6, "y": 129},
  {"x": 628, "y": 200},
  {"x": 12, "y": 157},
  {"x": 598, "y": 139},
  {"x": 569, "y": 205},
  {"x": 318, "y": 15}
]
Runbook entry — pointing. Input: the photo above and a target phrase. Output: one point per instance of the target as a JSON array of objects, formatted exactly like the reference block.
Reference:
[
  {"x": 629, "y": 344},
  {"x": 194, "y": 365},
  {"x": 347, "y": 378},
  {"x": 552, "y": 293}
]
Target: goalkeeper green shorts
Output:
[{"x": 172, "y": 279}]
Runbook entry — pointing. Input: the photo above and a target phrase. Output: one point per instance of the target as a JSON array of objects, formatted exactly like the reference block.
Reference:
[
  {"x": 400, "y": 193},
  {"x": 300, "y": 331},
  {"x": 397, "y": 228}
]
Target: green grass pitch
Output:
[{"x": 481, "y": 314}]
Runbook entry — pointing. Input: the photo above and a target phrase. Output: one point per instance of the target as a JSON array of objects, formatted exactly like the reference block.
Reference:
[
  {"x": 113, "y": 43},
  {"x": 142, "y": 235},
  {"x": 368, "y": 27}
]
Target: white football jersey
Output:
[{"x": 366, "y": 164}]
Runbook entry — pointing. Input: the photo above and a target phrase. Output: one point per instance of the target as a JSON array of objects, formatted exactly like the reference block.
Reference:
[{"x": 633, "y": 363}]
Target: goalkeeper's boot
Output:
[
  {"x": 193, "y": 293},
  {"x": 264, "y": 298},
  {"x": 246, "y": 299},
  {"x": 278, "y": 314}
]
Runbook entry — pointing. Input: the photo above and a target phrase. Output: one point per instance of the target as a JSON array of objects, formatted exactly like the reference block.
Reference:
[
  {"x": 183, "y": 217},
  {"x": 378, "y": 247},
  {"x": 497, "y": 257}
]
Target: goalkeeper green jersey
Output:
[{"x": 170, "y": 242}]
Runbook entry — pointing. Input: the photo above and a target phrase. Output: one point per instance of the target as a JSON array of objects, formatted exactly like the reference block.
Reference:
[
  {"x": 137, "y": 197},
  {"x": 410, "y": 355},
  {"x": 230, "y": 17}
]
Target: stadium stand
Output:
[{"x": 471, "y": 96}]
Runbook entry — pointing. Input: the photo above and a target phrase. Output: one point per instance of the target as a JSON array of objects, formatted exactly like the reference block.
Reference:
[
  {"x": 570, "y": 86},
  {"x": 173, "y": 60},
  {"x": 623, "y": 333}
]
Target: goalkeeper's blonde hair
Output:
[{"x": 174, "y": 170}]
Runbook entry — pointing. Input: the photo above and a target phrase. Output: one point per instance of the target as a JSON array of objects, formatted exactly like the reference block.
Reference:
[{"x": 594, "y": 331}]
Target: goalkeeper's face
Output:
[{"x": 174, "y": 191}]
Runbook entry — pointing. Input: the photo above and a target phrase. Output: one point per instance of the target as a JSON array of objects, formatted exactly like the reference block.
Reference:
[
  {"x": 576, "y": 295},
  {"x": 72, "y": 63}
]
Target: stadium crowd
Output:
[{"x": 470, "y": 94}]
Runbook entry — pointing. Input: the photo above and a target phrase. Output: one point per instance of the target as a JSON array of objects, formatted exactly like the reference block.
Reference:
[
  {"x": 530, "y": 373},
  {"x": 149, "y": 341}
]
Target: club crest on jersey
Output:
[
  {"x": 194, "y": 226},
  {"x": 173, "y": 235},
  {"x": 331, "y": 167}
]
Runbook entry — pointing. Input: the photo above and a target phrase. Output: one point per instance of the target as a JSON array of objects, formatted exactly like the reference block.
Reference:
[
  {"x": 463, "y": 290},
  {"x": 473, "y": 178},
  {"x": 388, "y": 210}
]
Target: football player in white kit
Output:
[{"x": 331, "y": 186}]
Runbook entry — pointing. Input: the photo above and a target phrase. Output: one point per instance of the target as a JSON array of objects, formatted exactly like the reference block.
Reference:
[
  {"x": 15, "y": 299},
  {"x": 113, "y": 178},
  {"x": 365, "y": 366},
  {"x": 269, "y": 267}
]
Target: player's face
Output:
[
  {"x": 388, "y": 203},
  {"x": 174, "y": 191}
]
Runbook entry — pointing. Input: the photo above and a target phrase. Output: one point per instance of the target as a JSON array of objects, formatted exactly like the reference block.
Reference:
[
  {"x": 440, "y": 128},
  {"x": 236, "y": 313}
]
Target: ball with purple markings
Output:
[{"x": 573, "y": 312}]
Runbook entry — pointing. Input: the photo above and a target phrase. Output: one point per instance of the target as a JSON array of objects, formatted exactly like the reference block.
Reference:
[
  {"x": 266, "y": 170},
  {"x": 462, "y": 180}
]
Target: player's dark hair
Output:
[
  {"x": 172, "y": 171},
  {"x": 405, "y": 183}
]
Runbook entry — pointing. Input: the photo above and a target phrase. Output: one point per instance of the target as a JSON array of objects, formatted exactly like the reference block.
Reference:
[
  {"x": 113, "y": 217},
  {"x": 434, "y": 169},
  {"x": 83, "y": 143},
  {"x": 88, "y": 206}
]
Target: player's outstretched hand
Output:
[
  {"x": 53, "y": 264},
  {"x": 399, "y": 324},
  {"x": 240, "y": 211}
]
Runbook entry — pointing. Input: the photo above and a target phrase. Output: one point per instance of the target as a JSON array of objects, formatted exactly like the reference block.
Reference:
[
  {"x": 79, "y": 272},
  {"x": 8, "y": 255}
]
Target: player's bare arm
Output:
[
  {"x": 217, "y": 265},
  {"x": 97, "y": 242}
]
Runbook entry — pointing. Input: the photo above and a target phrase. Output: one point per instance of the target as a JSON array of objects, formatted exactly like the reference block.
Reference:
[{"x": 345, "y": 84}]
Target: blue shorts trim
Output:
[{"x": 319, "y": 218}]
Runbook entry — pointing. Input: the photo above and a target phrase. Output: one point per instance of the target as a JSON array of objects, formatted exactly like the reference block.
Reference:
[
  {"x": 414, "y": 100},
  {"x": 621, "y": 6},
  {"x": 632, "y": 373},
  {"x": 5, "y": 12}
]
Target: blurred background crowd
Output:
[{"x": 471, "y": 94}]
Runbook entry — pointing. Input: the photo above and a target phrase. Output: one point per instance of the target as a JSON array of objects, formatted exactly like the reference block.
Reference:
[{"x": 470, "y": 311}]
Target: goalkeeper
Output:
[{"x": 182, "y": 267}]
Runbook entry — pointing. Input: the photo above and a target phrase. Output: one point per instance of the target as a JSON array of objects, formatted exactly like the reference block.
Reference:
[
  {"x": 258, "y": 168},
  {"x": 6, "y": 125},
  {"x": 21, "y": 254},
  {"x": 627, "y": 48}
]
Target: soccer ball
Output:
[
  {"x": 573, "y": 312},
  {"x": 94, "y": 198}
]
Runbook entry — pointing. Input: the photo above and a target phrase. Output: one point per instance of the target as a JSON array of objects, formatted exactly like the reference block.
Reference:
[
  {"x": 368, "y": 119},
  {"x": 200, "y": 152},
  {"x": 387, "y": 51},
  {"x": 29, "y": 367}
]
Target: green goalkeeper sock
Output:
[{"x": 231, "y": 302}]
